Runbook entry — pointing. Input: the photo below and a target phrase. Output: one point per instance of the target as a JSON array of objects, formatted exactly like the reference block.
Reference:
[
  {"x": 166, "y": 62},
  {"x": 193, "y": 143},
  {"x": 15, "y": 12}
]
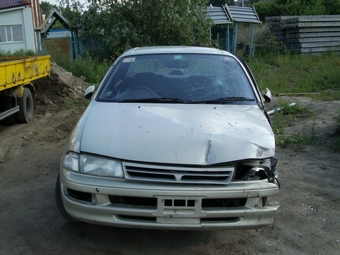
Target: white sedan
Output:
[{"x": 174, "y": 138}]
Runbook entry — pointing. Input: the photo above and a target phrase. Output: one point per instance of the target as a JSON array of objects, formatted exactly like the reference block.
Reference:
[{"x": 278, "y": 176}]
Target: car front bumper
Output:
[{"x": 122, "y": 203}]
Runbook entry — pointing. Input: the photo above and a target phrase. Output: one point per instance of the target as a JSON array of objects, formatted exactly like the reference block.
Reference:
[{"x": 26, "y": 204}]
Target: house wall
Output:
[{"x": 18, "y": 16}]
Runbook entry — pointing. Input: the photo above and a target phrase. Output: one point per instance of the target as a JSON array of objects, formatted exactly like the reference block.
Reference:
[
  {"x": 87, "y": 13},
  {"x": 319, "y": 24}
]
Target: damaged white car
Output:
[{"x": 174, "y": 138}]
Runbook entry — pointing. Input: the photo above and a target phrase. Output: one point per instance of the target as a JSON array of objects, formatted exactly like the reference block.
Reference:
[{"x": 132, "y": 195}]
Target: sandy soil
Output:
[{"x": 307, "y": 222}]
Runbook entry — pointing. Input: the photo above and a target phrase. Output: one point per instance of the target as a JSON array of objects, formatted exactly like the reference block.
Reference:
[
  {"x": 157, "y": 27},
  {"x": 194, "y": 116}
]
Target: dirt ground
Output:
[{"x": 307, "y": 222}]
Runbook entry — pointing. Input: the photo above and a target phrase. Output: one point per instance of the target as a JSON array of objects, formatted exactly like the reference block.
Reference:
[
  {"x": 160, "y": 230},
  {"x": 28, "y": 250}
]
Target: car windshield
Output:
[{"x": 177, "y": 78}]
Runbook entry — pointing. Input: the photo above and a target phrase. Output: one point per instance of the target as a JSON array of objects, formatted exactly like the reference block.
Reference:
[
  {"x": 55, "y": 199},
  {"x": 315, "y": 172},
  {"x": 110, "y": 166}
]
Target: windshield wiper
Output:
[
  {"x": 224, "y": 100},
  {"x": 155, "y": 100}
]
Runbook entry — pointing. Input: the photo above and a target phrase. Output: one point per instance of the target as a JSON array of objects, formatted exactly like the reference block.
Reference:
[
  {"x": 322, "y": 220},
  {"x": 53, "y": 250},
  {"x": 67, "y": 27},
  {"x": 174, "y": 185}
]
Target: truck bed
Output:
[{"x": 22, "y": 70}]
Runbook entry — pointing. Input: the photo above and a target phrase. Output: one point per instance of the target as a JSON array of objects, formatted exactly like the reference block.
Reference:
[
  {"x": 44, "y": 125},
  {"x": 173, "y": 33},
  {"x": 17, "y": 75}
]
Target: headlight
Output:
[
  {"x": 94, "y": 165},
  {"x": 70, "y": 161},
  {"x": 100, "y": 166}
]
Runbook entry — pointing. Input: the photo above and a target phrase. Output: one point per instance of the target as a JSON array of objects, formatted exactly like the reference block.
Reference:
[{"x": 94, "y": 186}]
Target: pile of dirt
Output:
[{"x": 59, "y": 88}]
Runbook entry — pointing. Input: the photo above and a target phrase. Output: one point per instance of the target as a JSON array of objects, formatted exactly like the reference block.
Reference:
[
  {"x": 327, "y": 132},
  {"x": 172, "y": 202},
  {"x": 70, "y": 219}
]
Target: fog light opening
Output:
[{"x": 254, "y": 174}]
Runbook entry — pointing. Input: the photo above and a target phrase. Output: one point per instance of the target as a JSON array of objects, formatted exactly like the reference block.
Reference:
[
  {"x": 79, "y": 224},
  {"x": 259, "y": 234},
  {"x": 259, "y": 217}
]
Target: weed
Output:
[
  {"x": 92, "y": 69},
  {"x": 329, "y": 95},
  {"x": 78, "y": 105},
  {"x": 285, "y": 117},
  {"x": 287, "y": 73},
  {"x": 296, "y": 140},
  {"x": 18, "y": 53}
]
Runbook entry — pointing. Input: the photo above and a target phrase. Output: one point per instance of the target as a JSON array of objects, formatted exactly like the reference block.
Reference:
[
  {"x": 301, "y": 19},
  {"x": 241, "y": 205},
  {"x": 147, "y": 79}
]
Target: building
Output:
[{"x": 18, "y": 21}]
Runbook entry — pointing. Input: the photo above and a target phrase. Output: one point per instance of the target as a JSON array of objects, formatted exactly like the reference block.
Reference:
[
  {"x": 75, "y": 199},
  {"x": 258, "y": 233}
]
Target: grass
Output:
[
  {"x": 76, "y": 105},
  {"x": 286, "y": 117},
  {"x": 298, "y": 73},
  {"x": 18, "y": 53},
  {"x": 91, "y": 68}
]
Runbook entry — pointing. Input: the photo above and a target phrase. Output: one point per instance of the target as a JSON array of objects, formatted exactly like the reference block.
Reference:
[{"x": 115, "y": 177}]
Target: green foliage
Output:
[
  {"x": 121, "y": 25},
  {"x": 297, "y": 141},
  {"x": 328, "y": 95},
  {"x": 286, "y": 117},
  {"x": 221, "y": 2},
  {"x": 18, "y": 53},
  {"x": 92, "y": 69},
  {"x": 46, "y": 7},
  {"x": 296, "y": 7},
  {"x": 71, "y": 11},
  {"x": 297, "y": 73},
  {"x": 77, "y": 105}
]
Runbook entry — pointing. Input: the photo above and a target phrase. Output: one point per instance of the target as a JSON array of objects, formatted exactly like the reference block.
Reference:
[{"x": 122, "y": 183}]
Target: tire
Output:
[
  {"x": 26, "y": 104},
  {"x": 60, "y": 204}
]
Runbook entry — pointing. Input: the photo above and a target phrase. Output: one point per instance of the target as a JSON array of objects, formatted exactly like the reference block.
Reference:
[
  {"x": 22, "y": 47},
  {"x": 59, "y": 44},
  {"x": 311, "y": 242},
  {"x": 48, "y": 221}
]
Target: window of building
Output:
[{"x": 11, "y": 33}]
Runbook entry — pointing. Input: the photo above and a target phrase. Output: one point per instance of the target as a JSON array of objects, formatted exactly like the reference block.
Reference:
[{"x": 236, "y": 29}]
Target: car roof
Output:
[{"x": 174, "y": 50}]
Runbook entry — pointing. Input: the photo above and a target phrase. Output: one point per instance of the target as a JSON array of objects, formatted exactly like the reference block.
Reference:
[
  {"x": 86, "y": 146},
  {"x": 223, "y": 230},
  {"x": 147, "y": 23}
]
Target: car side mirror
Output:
[
  {"x": 89, "y": 92},
  {"x": 267, "y": 95}
]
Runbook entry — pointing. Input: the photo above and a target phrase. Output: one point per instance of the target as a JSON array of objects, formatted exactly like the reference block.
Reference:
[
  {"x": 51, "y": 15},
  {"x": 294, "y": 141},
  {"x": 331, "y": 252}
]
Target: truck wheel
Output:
[
  {"x": 60, "y": 204},
  {"x": 25, "y": 102}
]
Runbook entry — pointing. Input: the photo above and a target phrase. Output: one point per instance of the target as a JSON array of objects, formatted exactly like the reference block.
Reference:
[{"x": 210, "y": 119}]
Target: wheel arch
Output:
[{"x": 19, "y": 92}]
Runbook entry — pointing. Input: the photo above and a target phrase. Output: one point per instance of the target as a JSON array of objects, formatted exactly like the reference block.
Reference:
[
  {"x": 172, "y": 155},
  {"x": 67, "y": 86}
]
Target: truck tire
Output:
[{"x": 26, "y": 104}]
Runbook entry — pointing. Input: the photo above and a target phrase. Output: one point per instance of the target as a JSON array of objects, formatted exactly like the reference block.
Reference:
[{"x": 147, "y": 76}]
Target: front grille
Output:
[{"x": 175, "y": 174}]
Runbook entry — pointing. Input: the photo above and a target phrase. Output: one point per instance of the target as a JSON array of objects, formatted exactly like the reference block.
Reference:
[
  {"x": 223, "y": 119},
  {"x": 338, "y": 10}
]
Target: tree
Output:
[
  {"x": 297, "y": 7},
  {"x": 70, "y": 12},
  {"x": 122, "y": 24},
  {"x": 221, "y": 2},
  {"x": 46, "y": 7}
]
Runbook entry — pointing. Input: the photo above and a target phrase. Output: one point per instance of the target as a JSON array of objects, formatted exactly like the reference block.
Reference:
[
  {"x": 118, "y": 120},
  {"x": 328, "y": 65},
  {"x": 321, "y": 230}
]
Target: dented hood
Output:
[{"x": 176, "y": 133}]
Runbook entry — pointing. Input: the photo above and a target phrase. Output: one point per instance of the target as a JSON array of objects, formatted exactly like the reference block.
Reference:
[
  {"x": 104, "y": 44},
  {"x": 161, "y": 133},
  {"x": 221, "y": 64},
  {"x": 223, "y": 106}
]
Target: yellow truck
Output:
[{"x": 17, "y": 97}]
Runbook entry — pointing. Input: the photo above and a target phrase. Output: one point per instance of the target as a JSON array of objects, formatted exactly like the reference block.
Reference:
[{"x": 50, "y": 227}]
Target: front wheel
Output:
[{"x": 26, "y": 105}]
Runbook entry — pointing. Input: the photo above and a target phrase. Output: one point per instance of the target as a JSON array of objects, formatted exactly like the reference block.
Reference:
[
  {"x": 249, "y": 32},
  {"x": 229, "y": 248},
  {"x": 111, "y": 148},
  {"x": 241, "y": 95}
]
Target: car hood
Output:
[{"x": 175, "y": 133}]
